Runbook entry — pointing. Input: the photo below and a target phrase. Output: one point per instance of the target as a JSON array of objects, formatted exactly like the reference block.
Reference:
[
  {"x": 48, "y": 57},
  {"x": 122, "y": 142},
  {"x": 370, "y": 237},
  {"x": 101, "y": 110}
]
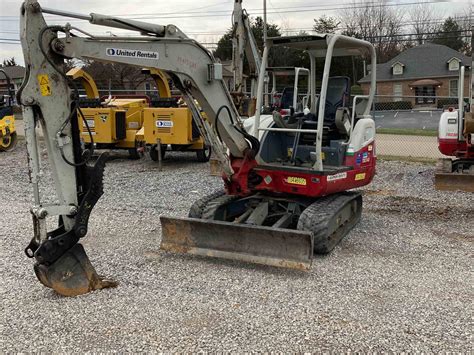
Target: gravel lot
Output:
[{"x": 402, "y": 280}]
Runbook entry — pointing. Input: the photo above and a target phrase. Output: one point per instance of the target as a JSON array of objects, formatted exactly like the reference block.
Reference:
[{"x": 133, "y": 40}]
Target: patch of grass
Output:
[
  {"x": 427, "y": 161},
  {"x": 408, "y": 132}
]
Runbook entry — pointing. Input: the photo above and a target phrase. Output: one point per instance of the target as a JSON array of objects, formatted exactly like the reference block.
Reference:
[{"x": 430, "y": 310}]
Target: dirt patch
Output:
[
  {"x": 379, "y": 192},
  {"x": 421, "y": 209},
  {"x": 459, "y": 237}
]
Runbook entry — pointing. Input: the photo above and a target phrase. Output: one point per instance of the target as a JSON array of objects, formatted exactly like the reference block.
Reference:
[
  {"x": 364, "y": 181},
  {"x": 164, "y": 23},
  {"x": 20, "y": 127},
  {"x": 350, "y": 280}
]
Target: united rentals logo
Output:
[{"x": 128, "y": 53}]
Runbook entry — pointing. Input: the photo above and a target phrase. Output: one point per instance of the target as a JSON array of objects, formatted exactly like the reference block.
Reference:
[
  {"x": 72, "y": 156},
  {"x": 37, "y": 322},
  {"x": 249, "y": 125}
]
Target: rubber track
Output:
[
  {"x": 315, "y": 218},
  {"x": 210, "y": 209},
  {"x": 198, "y": 207}
]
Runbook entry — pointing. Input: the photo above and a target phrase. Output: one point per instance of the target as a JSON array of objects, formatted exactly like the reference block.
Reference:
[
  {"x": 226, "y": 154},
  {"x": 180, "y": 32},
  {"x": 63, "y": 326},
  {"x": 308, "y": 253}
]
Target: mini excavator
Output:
[{"x": 285, "y": 189}]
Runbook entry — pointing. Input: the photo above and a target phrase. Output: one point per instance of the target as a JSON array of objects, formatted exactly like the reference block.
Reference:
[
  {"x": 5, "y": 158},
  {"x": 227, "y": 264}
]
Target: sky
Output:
[{"x": 205, "y": 20}]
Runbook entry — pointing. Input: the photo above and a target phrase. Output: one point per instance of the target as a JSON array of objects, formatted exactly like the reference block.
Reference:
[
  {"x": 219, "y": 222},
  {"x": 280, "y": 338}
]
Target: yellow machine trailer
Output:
[
  {"x": 173, "y": 127},
  {"x": 112, "y": 123},
  {"x": 170, "y": 126},
  {"x": 8, "y": 135},
  {"x": 138, "y": 123}
]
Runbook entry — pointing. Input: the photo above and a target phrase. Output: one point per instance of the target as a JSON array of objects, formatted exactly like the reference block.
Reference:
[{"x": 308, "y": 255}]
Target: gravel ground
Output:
[{"x": 402, "y": 280}]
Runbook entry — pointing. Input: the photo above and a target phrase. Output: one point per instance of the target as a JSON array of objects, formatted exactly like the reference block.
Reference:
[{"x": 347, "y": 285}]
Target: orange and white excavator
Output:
[{"x": 285, "y": 188}]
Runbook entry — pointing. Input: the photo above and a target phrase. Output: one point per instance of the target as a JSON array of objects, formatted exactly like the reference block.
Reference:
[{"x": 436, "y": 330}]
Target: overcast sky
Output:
[{"x": 205, "y": 20}]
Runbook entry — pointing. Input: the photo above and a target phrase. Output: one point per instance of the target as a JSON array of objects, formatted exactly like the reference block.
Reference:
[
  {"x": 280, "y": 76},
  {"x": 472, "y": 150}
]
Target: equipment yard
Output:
[{"x": 401, "y": 280}]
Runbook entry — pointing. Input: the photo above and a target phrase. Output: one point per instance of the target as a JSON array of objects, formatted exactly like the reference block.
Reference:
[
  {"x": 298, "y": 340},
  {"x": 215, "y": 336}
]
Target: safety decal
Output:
[
  {"x": 45, "y": 89},
  {"x": 335, "y": 177},
  {"x": 296, "y": 180},
  {"x": 163, "y": 124},
  {"x": 90, "y": 123},
  {"x": 359, "y": 159},
  {"x": 370, "y": 147},
  {"x": 129, "y": 53},
  {"x": 360, "y": 176},
  {"x": 365, "y": 157}
]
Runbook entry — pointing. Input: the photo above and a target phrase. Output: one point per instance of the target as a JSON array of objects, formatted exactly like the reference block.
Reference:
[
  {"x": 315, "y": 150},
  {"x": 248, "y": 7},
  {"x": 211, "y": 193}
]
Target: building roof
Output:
[
  {"x": 14, "y": 72},
  {"x": 426, "y": 61}
]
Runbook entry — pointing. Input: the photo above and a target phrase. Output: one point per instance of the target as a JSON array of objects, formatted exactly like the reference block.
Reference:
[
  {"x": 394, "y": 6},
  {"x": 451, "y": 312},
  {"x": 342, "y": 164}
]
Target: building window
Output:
[
  {"x": 398, "y": 69},
  {"x": 454, "y": 64},
  {"x": 453, "y": 87},
  {"x": 397, "y": 92}
]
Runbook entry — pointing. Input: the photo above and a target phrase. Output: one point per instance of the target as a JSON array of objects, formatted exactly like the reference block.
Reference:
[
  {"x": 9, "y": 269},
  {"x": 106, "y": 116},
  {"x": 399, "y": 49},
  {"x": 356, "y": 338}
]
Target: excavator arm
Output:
[
  {"x": 243, "y": 45},
  {"x": 47, "y": 99}
]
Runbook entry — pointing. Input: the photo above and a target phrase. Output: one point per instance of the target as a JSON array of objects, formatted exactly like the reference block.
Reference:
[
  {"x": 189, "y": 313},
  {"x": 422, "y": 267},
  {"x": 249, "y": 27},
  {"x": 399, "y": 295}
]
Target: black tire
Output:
[
  {"x": 134, "y": 153},
  {"x": 203, "y": 155},
  {"x": 9, "y": 142},
  {"x": 200, "y": 205},
  {"x": 154, "y": 152}
]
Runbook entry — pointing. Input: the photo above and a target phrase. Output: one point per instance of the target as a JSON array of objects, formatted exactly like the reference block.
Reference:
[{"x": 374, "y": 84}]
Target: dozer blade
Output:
[
  {"x": 454, "y": 182},
  {"x": 254, "y": 244},
  {"x": 72, "y": 274}
]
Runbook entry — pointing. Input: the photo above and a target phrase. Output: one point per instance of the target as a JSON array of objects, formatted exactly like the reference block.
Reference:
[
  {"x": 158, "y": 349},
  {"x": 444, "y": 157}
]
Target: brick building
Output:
[{"x": 426, "y": 70}]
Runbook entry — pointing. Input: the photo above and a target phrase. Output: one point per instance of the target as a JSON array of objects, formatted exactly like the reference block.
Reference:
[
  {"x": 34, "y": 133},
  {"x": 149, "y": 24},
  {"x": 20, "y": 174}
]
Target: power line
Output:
[
  {"x": 220, "y": 33},
  {"x": 293, "y": 9}
]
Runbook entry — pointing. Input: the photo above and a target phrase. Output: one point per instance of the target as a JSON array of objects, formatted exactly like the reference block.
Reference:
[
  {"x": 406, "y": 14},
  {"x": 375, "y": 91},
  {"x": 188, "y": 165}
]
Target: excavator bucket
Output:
[
  {"x": 72, "y": 274},
  {"x": 254, "y": 244}
]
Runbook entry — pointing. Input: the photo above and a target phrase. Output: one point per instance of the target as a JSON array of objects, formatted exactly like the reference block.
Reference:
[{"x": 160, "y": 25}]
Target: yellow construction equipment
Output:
[
  {"x": 8, "y": 137},
  {"x": 170, "y": 124},
  {"x": 112, "y": 123},
  {"x": 135, "y": 121}
]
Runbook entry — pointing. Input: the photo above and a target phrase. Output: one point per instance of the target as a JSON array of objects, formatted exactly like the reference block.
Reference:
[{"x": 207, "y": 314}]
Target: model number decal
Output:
[
  {"x": 162, "y": 124},
  {"x": 335, "y": 177},
  {"x": 296, "y": 180},
  {"x": 129, "y": 53}
]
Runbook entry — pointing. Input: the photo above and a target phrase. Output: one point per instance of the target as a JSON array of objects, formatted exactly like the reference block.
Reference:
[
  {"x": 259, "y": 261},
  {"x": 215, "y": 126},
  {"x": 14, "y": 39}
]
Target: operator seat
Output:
[
  {"x": 337, "y": 97},
  {"x": 287, "y": 97}
]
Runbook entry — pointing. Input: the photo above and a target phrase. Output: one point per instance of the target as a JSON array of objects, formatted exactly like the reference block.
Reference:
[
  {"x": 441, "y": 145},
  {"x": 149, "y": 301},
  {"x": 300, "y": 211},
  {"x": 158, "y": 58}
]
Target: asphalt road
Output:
[{"x": 428, "y": 120}]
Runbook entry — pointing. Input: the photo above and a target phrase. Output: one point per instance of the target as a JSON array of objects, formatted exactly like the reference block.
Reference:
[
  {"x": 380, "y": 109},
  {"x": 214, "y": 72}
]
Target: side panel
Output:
[{"x": 170, "y": 125}]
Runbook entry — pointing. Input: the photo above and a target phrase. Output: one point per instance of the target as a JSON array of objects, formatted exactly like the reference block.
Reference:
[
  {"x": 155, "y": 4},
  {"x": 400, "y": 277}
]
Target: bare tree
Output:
[
  {"x": 377, "y": 23},
  {"x": 423, "y": 25},
  {"x": 120, "y": 76}
]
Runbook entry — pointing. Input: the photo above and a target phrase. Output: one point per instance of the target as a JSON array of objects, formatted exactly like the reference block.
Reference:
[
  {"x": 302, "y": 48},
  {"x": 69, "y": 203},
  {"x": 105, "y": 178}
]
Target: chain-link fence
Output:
[{"x": 407, "y": 126}]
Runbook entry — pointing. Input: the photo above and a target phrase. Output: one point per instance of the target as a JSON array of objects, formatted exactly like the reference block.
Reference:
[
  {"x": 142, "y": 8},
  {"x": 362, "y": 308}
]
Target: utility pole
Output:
[{"x": 264, "y": 45}]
